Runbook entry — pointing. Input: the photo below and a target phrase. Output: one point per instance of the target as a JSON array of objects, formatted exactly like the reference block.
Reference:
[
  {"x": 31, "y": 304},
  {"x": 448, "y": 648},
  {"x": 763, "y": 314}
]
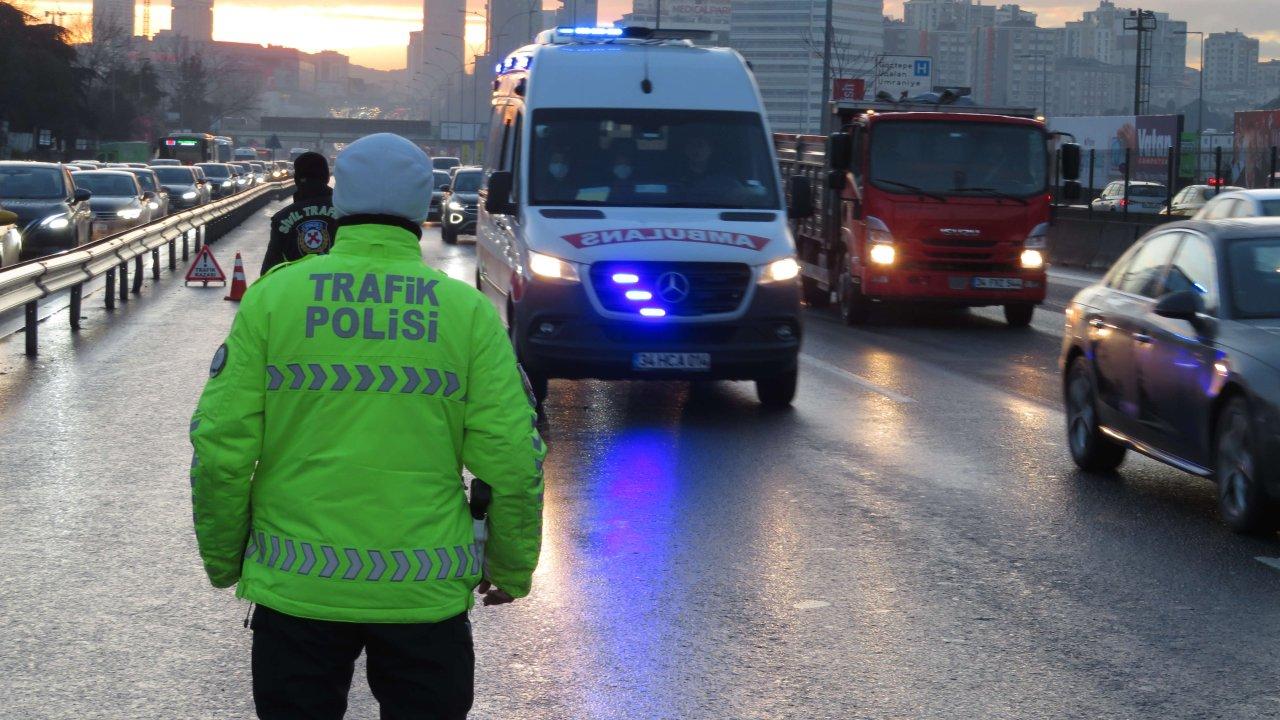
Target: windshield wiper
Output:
[
  {"x": 992, "y": 192},
  {"x": 915, "y": 189}
]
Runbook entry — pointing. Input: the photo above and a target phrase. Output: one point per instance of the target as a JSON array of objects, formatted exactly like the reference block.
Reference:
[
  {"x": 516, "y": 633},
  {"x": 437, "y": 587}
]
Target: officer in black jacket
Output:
[{"x": 308, "y": 224}]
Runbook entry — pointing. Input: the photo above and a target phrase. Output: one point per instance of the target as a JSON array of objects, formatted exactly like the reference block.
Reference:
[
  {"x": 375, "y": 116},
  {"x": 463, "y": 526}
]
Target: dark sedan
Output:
[
  {"x": 53, "y": 214},
  {"x": 460, "y": 204},
  {"x": 1176, "y": 354},
  {"x": 183, "y": 185}
]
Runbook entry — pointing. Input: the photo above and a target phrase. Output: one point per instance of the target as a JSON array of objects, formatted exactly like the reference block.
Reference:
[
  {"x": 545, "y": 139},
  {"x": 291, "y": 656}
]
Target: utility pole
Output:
[
  {"x": 825, "y": 111},
  {"x": 1142, "y": 22}
]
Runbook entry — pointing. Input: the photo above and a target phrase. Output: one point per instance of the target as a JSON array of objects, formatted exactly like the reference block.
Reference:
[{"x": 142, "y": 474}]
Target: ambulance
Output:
[{"x": 632, "y": 223}]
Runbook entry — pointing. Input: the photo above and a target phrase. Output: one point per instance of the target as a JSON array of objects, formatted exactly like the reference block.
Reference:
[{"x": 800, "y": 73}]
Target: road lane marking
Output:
[
  {"x": 1273, "y": 563},
  {"x": 811, "y": 604},
  {"x": 861, "y": 382}
]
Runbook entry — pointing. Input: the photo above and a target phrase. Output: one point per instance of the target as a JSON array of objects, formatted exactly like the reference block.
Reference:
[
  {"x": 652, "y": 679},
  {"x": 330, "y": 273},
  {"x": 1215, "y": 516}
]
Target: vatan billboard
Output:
[
  {"x": 1257, "y": 131},
  {"x": 1105, "y": 139}
]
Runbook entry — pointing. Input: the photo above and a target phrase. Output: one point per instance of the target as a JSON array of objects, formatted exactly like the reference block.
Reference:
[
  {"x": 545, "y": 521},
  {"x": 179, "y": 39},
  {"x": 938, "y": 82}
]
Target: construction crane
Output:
[{"x": 146, "y": 18}]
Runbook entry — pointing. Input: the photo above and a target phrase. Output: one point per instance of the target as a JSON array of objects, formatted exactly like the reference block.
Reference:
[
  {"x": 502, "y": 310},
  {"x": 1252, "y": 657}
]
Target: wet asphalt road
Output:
[{"x": 911, "y": 541}]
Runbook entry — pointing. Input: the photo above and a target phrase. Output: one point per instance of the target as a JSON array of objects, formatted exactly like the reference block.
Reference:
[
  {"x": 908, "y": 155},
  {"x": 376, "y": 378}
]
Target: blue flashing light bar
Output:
[
  {"x": 626, "y": 278},
  {"x": 653, "y": 312},
  {"x": 590, "y": 31},
  {"x": 639, "y": 295}
]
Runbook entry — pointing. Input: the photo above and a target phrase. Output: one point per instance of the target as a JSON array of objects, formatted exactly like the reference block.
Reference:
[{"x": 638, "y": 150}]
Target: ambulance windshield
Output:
[{"x": 651, "y": 158}]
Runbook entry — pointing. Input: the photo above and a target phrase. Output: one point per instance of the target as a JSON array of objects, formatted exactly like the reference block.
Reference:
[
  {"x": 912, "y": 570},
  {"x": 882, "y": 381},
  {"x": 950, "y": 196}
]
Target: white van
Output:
[{"x": 632, "y": 223}]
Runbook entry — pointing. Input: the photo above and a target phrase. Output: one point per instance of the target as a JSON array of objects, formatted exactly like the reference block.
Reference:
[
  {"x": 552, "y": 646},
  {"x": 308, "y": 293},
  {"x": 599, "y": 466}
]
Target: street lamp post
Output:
[
  {"x": 502, "y": 29},
  {"x": 1199, "y": 102},
  {"x": 461, "y": 84}
]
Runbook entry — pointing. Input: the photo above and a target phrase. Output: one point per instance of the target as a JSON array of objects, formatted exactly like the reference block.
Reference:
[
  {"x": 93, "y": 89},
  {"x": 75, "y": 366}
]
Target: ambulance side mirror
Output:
[
  {"x": 801, "y": 198},
  {"x": 497, "y": 199}
]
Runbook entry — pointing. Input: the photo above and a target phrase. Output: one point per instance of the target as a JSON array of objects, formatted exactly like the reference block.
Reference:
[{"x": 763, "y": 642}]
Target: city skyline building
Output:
[
  {"x": 193, "y": 19},
  {"x": 113, "y": 16}
]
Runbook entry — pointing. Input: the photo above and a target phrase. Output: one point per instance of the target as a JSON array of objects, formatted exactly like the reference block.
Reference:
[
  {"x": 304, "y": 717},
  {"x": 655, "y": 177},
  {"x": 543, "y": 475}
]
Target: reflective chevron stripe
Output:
[
  {"x": 334, "y": 562},
  {"x": 338, "y": 377}
]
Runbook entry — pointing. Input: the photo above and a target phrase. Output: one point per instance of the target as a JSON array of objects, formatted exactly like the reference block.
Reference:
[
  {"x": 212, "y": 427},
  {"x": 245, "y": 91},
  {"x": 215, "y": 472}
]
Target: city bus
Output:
[{"x": 190, "y": 148}]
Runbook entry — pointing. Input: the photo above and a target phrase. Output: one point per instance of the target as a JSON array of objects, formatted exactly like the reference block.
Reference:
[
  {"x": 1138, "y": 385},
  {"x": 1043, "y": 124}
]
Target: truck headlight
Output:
[
  {"x": 1032, "y": 259},
  {"x": 780, "y": 271},
  {"x": 129, "y": 213},
  {"x": 189, "y": 195},
  {"x": 55, "y": 222},
  {"x": 551, "y": 267},
  {"x": 883, "y": 254}
]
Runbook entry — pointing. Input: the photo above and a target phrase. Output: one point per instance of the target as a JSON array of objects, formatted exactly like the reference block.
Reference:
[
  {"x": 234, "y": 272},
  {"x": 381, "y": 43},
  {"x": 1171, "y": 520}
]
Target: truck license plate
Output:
[
  {"x": 671, "y": 361},
  {"x": 984, "y": 283}
]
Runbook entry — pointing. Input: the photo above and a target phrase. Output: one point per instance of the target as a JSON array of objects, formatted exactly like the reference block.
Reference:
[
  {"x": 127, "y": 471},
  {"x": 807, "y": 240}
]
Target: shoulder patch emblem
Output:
[
  {"x": 219, "y": 361},
  {"x": 313, "y": 236}
]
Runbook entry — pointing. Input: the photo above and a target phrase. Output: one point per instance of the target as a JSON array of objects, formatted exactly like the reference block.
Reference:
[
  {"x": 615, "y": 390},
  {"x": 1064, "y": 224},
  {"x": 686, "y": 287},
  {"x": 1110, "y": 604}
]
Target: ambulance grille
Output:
[{"x": 711, "y": 288}]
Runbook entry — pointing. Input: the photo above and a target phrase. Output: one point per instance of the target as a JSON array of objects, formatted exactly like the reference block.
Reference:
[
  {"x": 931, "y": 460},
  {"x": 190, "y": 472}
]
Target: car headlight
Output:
[
  {"x": 551, "y": 267},
  {"x": 780, "y": 271},
  {"x": 55, "y": 222},
  {"x": 189, "y": 195},
  {"x": 882, "y": 254},
  {"x": 226, "y": 183},
  {"x": 1032, "y": 259},
  {"x": 455, "y": 205},
  {"x": 130, "y": 213},
  {"x": 153, "y": 205},
  {"x": 275, "y": 174}
]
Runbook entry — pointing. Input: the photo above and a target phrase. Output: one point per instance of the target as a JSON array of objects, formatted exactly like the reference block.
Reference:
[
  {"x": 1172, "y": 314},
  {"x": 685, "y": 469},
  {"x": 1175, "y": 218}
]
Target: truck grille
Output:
[
  {"x": 712, "y": 288},
  {"x": 961, "y": 254}
]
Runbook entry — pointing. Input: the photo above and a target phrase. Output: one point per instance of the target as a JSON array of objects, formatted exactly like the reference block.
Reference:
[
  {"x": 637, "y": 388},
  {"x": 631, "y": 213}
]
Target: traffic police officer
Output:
[
  {"x": 329, "y": 444},
  {"x": 307, "y": 225}
]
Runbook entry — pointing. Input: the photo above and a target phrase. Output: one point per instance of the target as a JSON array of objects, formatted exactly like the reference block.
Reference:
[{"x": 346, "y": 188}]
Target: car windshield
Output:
[
  {"x": 466, "y": 182},
  {"x": 31, "y": 183},
  {"x": 145, "y": 180},
  {"x": 104, "y": 185},
  {"x": 959, "y": 158},
  {"x": 173, "y": 175},
  {"x": 1254, "y": 270},
  {"x": 216, "y": 171},
  {"x": 651, "y": 158},
  {"x": 1151, "y": 191},
  {"x": 440, "y": 179},
  {"x": 444, "y": 163}
]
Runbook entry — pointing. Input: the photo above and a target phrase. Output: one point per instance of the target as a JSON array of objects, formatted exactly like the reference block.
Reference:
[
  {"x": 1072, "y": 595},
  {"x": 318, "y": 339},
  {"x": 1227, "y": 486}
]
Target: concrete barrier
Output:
[{"x": 1076, "y": 240}]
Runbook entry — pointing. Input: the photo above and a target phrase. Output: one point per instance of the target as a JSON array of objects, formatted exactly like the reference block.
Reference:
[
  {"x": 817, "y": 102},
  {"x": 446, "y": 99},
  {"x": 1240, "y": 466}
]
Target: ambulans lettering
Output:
[
  {"x": 597, "y": 238},
  {"x": 403, "y": 321}
]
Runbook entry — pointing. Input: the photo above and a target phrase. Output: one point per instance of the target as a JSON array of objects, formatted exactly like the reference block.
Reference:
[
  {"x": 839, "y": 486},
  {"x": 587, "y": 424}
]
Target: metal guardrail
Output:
[{"x": 27, "y": 283}]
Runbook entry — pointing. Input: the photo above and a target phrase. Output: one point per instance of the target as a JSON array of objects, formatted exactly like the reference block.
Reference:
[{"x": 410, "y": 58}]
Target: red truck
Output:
[{"x": 927, "y": 203}]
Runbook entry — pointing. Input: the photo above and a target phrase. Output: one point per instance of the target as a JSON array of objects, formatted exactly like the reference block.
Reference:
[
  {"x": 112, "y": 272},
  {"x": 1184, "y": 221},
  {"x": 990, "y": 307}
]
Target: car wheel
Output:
[
  {"x": 1091, "y": 449},
  {"x": 1019, "y": 314},
  {"x": 777, "y": 391},
  {"x": 855, "y": 308},
  {"x": 1241, "y": 498},
  {"x": 538, "y": 383},
  {"x": 449, "y": 235}
]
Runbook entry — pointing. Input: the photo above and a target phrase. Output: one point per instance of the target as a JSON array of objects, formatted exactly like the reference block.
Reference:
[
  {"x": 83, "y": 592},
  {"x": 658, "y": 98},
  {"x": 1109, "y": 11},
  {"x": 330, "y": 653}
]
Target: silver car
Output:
[
  {"x": 1241, "y": 203},
  {"x": 1143, "y": 197}
]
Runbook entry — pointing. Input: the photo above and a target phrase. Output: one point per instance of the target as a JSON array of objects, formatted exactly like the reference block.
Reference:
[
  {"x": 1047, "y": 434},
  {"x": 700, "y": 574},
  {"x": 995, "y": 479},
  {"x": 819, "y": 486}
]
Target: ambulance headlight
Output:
[
  {"x": 780, "y": 271},
  {"x": 552, "y": 268}
]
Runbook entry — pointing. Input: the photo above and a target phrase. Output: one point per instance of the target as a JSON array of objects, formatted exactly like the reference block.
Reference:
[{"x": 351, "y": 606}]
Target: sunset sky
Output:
[{"x": 376, "y": 33}]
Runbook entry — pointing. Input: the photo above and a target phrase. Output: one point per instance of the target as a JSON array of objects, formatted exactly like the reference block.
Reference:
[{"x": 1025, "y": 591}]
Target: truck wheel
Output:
[
  {"x": 855, "y": 307},
  {"x": 1241, "y": 498},
  {"x": 777, "y": 391},
  {"x": 448, "y": 235},
  {"x": 1019, "y": 315},
  {"x": 1091, "y": 449},
  {"x": 814, "y": 296}
]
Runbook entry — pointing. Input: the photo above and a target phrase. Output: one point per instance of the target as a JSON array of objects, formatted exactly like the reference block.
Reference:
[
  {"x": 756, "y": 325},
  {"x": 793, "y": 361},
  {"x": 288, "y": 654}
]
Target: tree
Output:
[
  {"x": 848, "y": 59},
  {"x": 205, "y": 87},
  {"x": 51, "y": 99}
]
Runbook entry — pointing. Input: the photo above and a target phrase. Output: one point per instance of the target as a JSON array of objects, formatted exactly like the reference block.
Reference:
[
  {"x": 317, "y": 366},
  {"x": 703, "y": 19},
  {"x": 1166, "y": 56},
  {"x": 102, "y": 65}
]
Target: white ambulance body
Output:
[{"x": 633, "y": 224}]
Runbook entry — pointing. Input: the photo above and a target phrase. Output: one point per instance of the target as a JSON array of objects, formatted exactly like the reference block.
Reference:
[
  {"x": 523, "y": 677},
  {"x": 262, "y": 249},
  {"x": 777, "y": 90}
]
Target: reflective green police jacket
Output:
[{"x": 332, "y": 433}]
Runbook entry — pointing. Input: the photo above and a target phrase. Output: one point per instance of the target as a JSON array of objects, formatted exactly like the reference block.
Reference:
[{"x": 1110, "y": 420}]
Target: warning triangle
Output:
[{"x": 206, "y": 269}]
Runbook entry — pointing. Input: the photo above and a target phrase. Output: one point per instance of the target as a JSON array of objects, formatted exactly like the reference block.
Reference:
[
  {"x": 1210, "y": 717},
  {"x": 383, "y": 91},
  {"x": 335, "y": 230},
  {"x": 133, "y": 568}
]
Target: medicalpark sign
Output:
[{"x": 896, "y": 74}]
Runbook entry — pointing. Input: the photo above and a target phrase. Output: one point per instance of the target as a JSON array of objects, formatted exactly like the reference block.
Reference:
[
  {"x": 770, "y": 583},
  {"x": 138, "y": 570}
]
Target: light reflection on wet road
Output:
[{"x": 856, "y": 557}]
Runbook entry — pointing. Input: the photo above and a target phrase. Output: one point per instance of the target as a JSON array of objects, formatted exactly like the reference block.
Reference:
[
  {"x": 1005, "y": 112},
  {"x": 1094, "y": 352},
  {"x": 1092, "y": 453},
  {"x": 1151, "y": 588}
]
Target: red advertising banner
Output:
[{"x": 849, "y": 89}]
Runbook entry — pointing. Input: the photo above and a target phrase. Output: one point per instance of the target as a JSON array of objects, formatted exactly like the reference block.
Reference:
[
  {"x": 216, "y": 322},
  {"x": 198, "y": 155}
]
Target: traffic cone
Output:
[{"x": 238, "y": 285}]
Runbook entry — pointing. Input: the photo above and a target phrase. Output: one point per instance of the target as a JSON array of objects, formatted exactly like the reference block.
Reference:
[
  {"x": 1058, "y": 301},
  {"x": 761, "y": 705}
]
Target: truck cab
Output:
[
  {"x": 638, "y": 230},
  {"x": 930, "y": 205}
]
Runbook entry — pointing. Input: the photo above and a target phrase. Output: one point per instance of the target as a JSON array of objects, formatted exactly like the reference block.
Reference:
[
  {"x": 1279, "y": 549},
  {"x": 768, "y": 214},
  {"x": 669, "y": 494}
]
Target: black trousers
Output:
[{"x": 302, "y": 668}]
